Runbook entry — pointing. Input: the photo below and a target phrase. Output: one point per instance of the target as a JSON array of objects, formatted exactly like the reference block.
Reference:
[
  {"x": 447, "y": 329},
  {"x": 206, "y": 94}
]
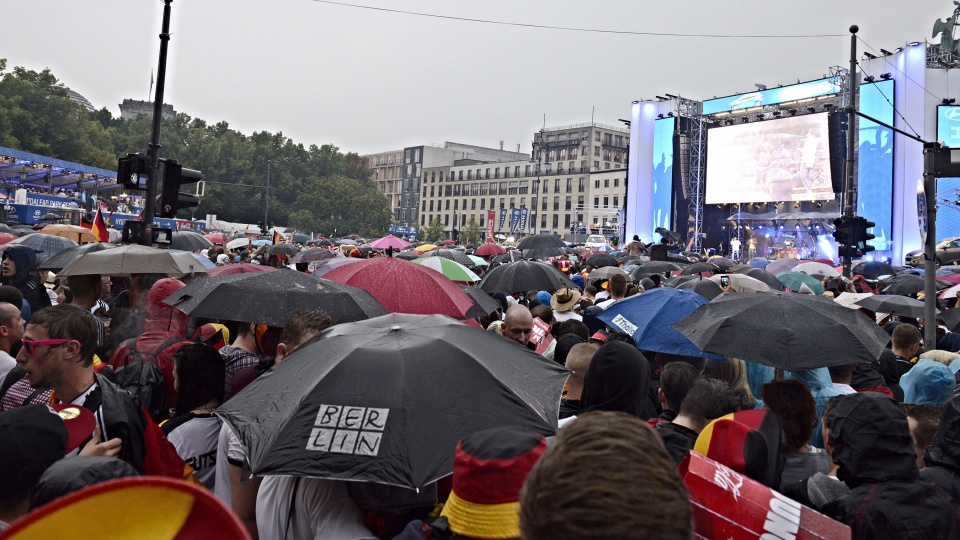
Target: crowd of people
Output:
[{"x": 875, "y": 446}]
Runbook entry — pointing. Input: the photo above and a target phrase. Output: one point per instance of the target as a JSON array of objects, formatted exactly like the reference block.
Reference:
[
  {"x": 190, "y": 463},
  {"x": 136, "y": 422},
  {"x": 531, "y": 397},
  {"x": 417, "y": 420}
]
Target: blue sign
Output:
[
  {"x": 523, "y": 219},
  {"x": 514, "y": 218},
  {"x": 404, "y": 231},
  {"x": 794, "y": 92},
  {"x": 503, "y": 217},
  {"x": 38, "y": 199},
  {"x": 116, "y": 221}
]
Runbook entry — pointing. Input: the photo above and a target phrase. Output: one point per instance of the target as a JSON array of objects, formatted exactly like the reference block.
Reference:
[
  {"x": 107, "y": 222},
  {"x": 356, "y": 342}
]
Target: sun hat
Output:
[
  {"x": 564, "y": 299},
  {"x": 489, "y": 468}
]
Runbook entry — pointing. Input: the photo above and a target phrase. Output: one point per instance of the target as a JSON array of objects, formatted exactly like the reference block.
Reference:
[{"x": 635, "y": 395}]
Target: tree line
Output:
[{"x": 313, "y": 188}]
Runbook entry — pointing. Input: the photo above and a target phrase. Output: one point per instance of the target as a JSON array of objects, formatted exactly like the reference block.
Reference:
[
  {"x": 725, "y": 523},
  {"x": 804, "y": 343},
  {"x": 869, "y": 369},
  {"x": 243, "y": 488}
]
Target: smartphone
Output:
[{"x": 724, "y": 281}]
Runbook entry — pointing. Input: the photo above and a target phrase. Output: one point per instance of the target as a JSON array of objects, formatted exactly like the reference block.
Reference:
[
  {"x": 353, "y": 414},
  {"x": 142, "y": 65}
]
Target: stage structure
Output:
[{"x": 774, "y": 158}]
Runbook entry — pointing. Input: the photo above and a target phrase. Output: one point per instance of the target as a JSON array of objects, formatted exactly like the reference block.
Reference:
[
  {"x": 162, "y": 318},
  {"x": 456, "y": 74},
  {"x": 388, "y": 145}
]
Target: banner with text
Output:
[
  {"x": 503, "y": 217},
  {"x": 523, "y": 219},
  {"x": 490, "y": 219},
  {"x": 514, "y": 219}
]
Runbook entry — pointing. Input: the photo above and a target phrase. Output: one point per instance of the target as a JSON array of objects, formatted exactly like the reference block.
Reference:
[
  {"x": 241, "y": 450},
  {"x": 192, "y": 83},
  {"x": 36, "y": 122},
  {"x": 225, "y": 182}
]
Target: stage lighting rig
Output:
[
  {"x": 886, "y": 76},
  {"x": 886, "y": 52},
  {"x": 744, "y": 120},
  {"x": 760, "y": 86},
  {"x": 870, "y": 56},
  {"x": 869, "y": 78},
  {"x": 793, "y": 112},
  {"x": 811, "y": 109},
  {"x": 949, "y": 101}
]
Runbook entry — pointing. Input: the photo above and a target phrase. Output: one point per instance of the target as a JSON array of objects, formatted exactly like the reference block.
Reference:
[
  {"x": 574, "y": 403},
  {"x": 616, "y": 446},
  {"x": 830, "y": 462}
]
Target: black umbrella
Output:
[
  {"x": 723, "y": 264},
  {"x": 61, "y": 260},
  {"x": 323, "y": 243},
  {"x": 656, "y": 267},
  {"x": 762, "y": 275},
  {"x": 452, "y": 254},
  {"x": 524, "y": 276},
  {"x": 894, "y": 304},
  {"x": 950, "y": 317},
  {"x": 873, "y": 269},
  {"x": 706, "y": 288},
  {"x": 485, "y": 304},
  {"x": 510, "y": 256},
  {"x": 673, "y": 236},
  {"x": 676, "y": 281},
  {"x": 908, "y": 285},
  {"x": 271, "y": 298},
  {"x": 543, "y": 253},
  {"x": 602, "y": 259},
  {"x": 698, "y": 268},
  {"x": 282, "y": 249},
  {"x": 540, "y": 241},
  {"x": 313, "y": 255},
  {"x": 189, "y": 241},
  {"x": 300, "y": 238},
  {"x": 386, "y": 400},
  {"x": 784, "y": 330},
  {"x": 407, "y": 255}
]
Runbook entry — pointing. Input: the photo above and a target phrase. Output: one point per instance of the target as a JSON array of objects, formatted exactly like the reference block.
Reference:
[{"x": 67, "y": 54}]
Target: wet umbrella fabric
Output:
[
  {"x": 489, "y": 250},
  {"x": 239, "y": 268},
  {"x": 282, "y": 249},
  {"x": 386, "y": 400},
  {"x": 45, "y": 245},
  {"x": 407, "y": 255},
  {"x": 390, "y": 241},
  {"x": 300, "y": 238},
  {"x": 704, "y": 287},
  {"x": 271, "y": 298},
  {"x": 873, "y": 269},
  {"x": 784, "y": 330},
  {"x": 542, "y": 254},
  {"x": 485, "y": 304},
  {"x": 671, "y": 235},
  {"x": 62, "y": 259},
  {"x": 743, "y": 283},
  {"x": 450, "y": 268},
  {"x": 608, "y": 272},
  {"x": 656, "y": 267},
  {"x": 816, "y": 269},
  {"x": 762, "y": 275},
  {"x": 452, "y": 254},
  {"x": 189, "y": 241},
  {"x": 314, "y": 254},
  {"x": 796, "y": 280},
  {"x": 780, "y": 266},
  {"x": 908, "y": 285},
  {"x": 758, "y": 262},
  {"x": 523, "y": 276},
  {"x": 699, "y": 268},
  {"x": 403, "y": 287},
  {"x": 648, "y": 319},
  {"x": 723, "y": 263},
  {"x": 540, "y": 241},
  {"x": 601, "y": 260},
  {"x": 893, "y": 304},
  {"x": 134, "y": 259},
  {"x": 332, "y": 264}
]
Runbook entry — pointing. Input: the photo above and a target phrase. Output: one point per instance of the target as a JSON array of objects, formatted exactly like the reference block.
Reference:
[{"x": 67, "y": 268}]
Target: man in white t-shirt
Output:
[
  {"x": 11, "y": 331},
  {"x": 618, "y": 290}
]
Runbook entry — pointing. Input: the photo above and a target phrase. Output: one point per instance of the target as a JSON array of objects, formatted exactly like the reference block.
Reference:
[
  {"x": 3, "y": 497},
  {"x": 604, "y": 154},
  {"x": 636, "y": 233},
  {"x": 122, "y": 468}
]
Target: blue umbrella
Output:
[
  {"x": 261, "y": 242},
  {"x": 758, "y": 262},
  {"x": 649, "y": 318},
  {"x": 205, "y": 261}
]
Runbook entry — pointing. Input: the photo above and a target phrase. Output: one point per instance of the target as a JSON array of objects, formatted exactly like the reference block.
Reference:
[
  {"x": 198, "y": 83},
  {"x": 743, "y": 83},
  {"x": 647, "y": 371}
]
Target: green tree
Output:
[
  {"x": 471, "y": 233},
  {"x": 434, "y": 231}
]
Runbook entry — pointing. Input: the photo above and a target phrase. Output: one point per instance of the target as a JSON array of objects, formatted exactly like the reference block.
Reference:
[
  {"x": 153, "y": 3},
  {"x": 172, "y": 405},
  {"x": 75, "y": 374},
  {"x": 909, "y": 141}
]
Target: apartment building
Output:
[
  {"x": 574, "y": 178},
  {"x": 387, "y": 170}
]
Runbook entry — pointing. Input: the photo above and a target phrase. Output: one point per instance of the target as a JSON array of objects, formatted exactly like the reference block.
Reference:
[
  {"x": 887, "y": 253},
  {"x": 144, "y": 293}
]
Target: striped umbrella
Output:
[{"x": 450, "y": 268}]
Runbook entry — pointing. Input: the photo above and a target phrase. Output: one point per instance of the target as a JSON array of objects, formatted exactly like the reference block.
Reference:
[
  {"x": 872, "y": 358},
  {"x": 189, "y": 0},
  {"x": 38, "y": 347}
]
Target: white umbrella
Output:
[
  {"x": 848, "y": 299},
  {"x": 817, "y": 269},
  {"x": 134, "y": 259},
  {"x": 239, "y": 243},
  {"x": 742, "y": 282}
]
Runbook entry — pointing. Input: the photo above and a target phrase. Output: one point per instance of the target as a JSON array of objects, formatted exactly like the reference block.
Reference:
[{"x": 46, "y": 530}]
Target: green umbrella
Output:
[
  {"x": 478, "y": 261},
  {"x": 794, "y": 280},
  {"x": 453, "y": 270}
]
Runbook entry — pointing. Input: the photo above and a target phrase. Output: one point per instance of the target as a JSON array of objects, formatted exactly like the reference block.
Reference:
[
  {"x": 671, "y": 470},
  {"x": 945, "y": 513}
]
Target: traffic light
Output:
[
  {"x": 843, "y": 234},
  {"x": 132, "y": 171},
  {"x": 860, "y": 235},
  {"x": 171, "y": 199}
]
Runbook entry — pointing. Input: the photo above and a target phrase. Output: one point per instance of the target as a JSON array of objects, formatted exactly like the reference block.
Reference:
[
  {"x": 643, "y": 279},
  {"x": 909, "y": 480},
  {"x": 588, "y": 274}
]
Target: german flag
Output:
[
  {"x": 98, "y": 227},
  {"x": 277, "y": 238}
]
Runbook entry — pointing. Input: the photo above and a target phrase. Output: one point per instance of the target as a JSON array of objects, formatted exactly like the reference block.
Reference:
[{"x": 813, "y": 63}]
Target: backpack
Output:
[{"x": 142, "y": 378}]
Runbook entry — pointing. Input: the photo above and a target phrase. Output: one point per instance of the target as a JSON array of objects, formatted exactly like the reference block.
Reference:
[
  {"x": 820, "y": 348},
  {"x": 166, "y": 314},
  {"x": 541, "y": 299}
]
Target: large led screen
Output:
[
  {"x": 875, "y": 162},
  {"x": 948, "y": 189},
  {"x": 662, "y": 195},
  {"x": 783, "y": 94},
  {"x": 775, "y": 160}
]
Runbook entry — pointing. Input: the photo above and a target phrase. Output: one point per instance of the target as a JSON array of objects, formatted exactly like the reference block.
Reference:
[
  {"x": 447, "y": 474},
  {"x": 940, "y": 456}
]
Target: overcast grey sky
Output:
[{"x": 370, "y": 81}]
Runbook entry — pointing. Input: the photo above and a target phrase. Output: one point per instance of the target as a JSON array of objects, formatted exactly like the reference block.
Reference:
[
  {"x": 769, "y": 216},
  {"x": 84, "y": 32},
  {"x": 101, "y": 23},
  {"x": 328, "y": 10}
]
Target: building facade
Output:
[
  {"x": 387, "y": 173},
  {"x": 132, "y": 108},
  {"x": 573, "y": 182}
]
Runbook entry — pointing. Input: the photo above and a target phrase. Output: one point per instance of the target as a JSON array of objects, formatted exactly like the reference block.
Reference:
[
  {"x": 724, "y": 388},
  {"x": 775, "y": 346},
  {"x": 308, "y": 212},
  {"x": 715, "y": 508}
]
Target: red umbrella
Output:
[
  {"x": 447, "y": 242},
  {"x": 217, "y": 238},
  {"x": 403, "y": 287},
  {"x": 389, "y": 241},
  {"x": 489, "y": 250},
  {"x": 7, "y": 237},
  {"x": 239, "y": 268}
]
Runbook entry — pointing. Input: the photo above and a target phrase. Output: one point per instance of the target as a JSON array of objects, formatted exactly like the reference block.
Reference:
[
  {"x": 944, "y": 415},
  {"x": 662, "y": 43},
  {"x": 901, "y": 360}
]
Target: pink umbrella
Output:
[
  {"x": 403, "y": 287},
  {"x": 953, "y": 278},
  {"x": 7, "y": 237},
  {"x": 239, "y": 268},
  {"x": 389, "y": 241},
  {"x": 217, "y": 238},
  {"x": 332, "y": 264}
]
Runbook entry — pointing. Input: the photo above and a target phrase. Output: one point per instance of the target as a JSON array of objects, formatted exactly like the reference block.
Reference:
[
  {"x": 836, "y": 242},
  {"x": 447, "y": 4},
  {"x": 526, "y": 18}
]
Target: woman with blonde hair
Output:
[{"x": 733, "y": 371}]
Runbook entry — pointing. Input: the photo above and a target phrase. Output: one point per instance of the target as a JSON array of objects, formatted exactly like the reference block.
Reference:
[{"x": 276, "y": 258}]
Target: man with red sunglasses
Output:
[{"x": 57, "y": 354}]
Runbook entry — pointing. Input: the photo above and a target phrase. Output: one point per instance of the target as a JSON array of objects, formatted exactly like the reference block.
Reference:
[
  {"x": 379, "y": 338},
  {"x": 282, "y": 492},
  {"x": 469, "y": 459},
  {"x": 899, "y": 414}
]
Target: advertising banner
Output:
[
  {"x": 490, "y": 219},
  {"x": 514, "y": 219},
  {"x": 503, "y": 217},
  {"x": 523, "y": 219}
]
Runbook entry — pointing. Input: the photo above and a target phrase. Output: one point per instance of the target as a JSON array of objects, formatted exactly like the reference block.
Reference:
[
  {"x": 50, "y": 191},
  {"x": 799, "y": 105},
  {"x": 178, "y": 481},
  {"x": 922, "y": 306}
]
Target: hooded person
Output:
[
  {"x": 18, "y": 271},
  {"x": 69, "y": 475},
  {"x": 874, "y": 452},
  {"x": 821, "y": 387},
  {"x": 618, "y": 380},
  {"x": 928, "y": 383},
  {"x": 942, "y": 457},
  {"x": 162, "y": 337}
]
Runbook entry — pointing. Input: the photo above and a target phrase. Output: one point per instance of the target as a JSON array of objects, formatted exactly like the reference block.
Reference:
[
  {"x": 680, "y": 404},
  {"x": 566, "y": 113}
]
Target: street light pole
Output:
[
  {"x": 266, "y": 198},
  {"x": 154, "y": 152}
]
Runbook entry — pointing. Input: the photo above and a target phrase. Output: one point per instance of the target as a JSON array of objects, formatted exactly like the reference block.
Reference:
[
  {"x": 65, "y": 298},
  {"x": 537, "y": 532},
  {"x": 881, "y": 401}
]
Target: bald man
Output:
[{"x": 518, "y": 324}]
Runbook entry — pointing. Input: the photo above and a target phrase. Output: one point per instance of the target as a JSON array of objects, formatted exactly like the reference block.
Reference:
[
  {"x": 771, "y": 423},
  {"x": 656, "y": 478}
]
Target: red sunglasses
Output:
[{"x": 31, "y": 346}]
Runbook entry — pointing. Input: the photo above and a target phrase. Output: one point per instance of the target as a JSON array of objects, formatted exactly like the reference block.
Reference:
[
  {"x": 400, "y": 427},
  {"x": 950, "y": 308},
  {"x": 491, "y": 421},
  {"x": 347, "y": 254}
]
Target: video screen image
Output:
[{"x": 775, "y": 160}]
